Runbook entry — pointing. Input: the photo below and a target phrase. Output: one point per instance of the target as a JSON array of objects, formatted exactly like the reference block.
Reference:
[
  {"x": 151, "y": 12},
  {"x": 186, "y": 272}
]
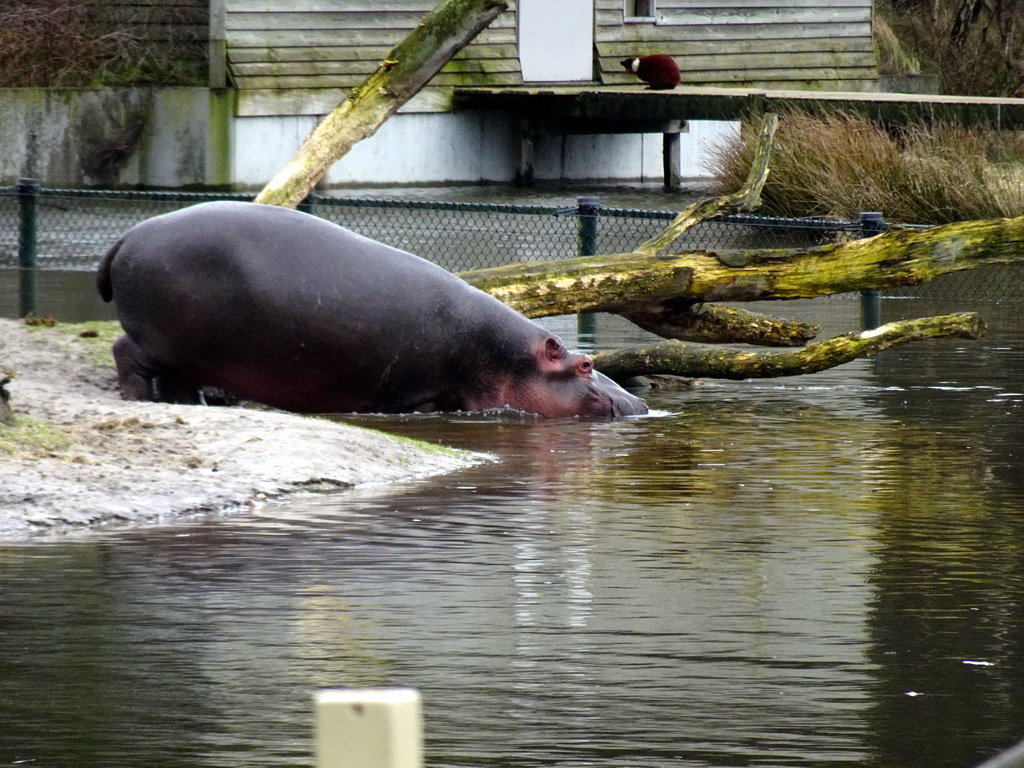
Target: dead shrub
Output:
[
  {"x": 68, "y": 43},
  {"x": 974, "y": 47},
  {"x": 840, "y": 164}
]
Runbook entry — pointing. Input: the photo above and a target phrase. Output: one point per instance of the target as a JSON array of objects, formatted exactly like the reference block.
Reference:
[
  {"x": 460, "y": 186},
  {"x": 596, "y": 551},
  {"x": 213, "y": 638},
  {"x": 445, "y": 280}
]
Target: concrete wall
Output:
[
  {"x": 466, "y": 147},
  {"x": 190, "y": 137},
  {"x": 159, "y": 137},
  {"x": 627, "y": 157}
]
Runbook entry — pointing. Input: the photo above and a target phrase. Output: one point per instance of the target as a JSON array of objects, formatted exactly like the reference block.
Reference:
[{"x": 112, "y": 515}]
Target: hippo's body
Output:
[{"x": 283, "y": 308}]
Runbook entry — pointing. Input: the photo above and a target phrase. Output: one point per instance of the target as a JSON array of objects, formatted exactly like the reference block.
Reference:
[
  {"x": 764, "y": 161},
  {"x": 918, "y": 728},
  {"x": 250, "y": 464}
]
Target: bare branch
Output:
[
  {"x": 746, "y": 198},
  {"x": 680, "y": 359}
]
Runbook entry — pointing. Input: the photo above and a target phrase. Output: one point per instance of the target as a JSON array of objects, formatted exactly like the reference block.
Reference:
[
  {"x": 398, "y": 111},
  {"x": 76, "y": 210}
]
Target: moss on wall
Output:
[{"x": 73, "y": 137}]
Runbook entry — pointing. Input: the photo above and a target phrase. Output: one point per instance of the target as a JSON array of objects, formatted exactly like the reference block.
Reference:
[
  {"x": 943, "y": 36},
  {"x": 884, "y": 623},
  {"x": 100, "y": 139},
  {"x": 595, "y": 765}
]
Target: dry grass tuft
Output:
[{"x": 840, "y": 164}]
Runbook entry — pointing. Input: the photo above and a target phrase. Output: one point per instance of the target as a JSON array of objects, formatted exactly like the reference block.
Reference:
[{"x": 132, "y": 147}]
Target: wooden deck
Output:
[
  {"x": 574, "y": 109},
  {"x": 629, "y": 104}
]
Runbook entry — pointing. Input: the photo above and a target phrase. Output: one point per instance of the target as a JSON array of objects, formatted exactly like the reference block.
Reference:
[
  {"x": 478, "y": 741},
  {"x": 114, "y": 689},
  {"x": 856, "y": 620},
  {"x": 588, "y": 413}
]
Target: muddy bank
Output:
[{"x": 78, "y": 455}]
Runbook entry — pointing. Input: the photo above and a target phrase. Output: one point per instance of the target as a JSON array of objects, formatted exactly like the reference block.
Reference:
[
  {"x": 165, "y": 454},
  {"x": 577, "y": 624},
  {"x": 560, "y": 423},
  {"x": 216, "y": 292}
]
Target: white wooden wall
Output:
[{"x": 331, "y": 46}]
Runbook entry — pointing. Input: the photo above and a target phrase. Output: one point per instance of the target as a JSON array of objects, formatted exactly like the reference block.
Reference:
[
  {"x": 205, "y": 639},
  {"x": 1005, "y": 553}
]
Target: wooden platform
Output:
[
  {"x": 563, "y": 110},
  {"x": 625, "y": 104}
]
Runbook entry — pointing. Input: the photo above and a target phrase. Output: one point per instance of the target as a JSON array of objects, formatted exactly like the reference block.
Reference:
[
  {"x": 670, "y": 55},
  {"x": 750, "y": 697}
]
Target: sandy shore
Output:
[{"x": 78, "y": 455}]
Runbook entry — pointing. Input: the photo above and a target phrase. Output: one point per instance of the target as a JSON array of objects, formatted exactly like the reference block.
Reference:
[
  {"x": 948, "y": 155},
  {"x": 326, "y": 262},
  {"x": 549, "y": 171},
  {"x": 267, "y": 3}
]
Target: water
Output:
[{"x": 817, "y": 571}]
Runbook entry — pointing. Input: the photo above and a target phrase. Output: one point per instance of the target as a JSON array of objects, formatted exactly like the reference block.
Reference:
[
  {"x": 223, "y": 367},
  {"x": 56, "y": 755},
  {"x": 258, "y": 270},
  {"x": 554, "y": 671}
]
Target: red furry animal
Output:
[{"x": 658, "y": 70}]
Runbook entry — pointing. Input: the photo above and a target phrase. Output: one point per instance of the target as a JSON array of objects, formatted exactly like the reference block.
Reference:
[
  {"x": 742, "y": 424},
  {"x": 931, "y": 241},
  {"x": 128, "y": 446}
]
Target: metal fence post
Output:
[
  {"x": 28, "y": 243},
  {"x": 588, "y": 209},
  {"x": 871, "y": 224}
]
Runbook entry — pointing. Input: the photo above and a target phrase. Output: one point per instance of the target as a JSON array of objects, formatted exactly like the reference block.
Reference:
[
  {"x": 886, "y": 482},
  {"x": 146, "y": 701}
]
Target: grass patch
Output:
[
  {"x": 91, "y": 340},
  {"x": 30, "y": 438},
  {"x": 839, "y": 164}
]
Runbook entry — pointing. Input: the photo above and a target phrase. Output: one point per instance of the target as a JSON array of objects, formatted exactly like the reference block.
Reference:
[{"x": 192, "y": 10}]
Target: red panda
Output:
[{"x": 658, "y": 70}]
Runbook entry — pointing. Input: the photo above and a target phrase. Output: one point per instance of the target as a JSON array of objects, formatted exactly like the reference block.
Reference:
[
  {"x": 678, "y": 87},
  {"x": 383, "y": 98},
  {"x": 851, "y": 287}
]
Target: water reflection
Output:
[{"x": 760, "y": 573}]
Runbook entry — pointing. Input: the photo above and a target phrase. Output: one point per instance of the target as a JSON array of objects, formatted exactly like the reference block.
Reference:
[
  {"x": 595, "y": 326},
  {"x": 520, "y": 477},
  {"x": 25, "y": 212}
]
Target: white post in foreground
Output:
[{"x": 369, "y": 728}]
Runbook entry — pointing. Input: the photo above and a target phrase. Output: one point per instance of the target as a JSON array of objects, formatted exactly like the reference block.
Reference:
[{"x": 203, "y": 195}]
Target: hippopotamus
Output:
[{"x": 280, "y": 307}]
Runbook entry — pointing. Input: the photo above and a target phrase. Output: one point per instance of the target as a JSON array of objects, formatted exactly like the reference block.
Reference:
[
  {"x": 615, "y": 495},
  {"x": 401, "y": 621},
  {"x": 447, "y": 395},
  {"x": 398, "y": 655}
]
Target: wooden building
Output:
[
  {"x": 276, "y": 66},
  {"x": 300, "y": 56}
]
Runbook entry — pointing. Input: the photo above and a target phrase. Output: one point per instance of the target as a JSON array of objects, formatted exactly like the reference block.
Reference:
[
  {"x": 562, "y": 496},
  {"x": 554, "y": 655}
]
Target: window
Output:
[{"x": 639, "y": 10}]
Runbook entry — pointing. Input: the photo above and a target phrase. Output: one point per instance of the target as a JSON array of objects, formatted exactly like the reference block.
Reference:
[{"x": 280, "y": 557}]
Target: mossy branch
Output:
[
  {"x": 746, "y": 198},
  {"x": 680, "y": 359},
  {"x": 620, "y": 282},
  {"x": 405, "y": 70},
  {"x": 718, "y": 324}
]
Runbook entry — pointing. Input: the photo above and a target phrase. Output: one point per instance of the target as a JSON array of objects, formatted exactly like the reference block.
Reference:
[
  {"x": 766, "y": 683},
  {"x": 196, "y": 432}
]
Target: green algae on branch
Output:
[
  {"x": 405, "y": 70},
  {"x": 746, "y": 198},
  {"x": 615, "y": 282},
  {"x": 679, "y": 359},
  {"x": 720, "y": 324},
  {"x": 669, "y": 294}
]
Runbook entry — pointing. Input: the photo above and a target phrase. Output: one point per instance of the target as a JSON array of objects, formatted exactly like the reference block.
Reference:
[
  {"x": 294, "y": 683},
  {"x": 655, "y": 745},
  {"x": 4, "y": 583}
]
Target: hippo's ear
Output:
[{"x": 553, "y": 349}]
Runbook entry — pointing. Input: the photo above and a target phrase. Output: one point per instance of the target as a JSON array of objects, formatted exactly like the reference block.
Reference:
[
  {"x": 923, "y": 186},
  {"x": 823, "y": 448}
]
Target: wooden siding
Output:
[
  {"x": 302, "y": 56},
  {"x": 160, "y": 21},
  {"x": 330, "y": 46},
  {"x": 753, "y": 43}
]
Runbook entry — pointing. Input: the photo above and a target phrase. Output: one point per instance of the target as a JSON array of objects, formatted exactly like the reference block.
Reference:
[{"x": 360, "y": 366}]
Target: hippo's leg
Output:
[
  {"x": 141, "y": 378},
  {"x": 133, "y": 379}
]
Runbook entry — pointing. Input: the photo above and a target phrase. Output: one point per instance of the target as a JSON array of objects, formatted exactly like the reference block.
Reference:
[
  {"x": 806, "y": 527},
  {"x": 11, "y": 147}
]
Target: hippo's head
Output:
[{"x": 565, "y": 384}]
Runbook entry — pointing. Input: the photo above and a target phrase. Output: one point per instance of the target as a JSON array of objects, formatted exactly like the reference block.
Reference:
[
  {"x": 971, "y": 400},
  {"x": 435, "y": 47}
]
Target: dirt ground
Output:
[{"x": 77, "y": 455}]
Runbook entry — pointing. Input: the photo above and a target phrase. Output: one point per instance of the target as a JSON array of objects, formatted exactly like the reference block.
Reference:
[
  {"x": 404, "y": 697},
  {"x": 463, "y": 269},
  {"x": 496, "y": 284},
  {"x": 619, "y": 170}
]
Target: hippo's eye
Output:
[{"x": 586, "y": 366}]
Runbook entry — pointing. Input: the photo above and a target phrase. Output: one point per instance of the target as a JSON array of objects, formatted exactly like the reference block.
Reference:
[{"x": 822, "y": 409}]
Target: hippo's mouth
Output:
[
  {"x": 621, "y": 402},
  {"x": 628, "y": 408}
]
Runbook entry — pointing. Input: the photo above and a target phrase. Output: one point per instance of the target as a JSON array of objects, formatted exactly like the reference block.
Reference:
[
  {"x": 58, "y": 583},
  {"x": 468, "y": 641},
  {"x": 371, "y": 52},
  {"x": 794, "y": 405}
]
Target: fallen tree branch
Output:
[
  {"x": 406, "y": 69},
  {"x": 620, "y": 282},
  {"x": 746, "y": 198},
  {"x": 718, "y": 324},
  {"x": 689, "y": 320},
  {"x": 680, "y": 359}
]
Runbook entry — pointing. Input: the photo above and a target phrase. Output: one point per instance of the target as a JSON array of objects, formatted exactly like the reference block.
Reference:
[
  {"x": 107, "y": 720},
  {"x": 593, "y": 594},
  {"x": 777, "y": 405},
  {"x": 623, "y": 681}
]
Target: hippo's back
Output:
[{"x": 230, "y": 245}]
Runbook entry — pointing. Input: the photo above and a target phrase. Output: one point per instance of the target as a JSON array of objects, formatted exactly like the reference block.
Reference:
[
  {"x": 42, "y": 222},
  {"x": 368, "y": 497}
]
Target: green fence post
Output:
[
  {"x": 871, "y": 224},
  {"x": 28, "y": 244},
  {"x": 588, "y": 209}
]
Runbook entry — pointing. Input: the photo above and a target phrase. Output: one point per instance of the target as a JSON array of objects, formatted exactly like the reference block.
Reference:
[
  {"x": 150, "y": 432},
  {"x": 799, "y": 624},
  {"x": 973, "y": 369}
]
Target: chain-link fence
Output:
[{"x": 72, "y": 229}]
